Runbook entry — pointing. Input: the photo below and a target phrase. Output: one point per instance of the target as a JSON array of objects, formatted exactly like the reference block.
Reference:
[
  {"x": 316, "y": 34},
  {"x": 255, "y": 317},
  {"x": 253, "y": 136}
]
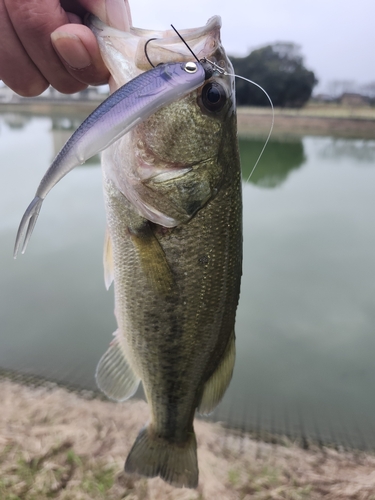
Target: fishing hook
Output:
[
  {"x": 145, "y": 49},
  {"x": 214, "y": 65}
]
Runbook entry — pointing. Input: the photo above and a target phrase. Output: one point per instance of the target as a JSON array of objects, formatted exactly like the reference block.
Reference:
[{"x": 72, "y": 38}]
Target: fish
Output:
[
  {"x": 173, "y": 244},
  {"x": 173, "y": 249}
]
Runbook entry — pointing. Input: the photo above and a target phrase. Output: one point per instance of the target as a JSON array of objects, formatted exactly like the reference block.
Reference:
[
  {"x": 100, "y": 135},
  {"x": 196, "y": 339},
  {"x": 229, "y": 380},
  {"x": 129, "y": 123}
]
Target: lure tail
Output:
[
  {"x": 27, "y": 224},
  {"x": 153, "y": 456}
]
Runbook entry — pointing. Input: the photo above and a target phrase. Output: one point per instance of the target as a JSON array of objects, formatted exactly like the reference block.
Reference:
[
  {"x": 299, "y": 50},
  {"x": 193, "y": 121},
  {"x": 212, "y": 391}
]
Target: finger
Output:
[
  {"x": 115, "y": 13},
  {"x": 78, "y": 49},
  {"x": 33, "y": 22},
  {"x": 16, "y": 68}
]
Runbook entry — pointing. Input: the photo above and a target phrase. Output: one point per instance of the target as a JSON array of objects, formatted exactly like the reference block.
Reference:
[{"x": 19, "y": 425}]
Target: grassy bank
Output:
[
  {"x": 329, "y": 119},
  {"x": 55, "y": 444},
  {"x": 332, "y": 120}
]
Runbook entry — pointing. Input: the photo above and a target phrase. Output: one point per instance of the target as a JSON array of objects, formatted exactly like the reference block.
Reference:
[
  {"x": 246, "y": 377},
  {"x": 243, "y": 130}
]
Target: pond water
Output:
[{"x": 306, "y": 321}]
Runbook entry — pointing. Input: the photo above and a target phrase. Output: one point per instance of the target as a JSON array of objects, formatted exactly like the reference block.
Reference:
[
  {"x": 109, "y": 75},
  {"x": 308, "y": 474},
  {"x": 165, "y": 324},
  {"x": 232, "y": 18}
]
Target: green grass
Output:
[
  {"x": 98, "y": 481},
  {"x": 233, "y": 476},
  {"x": 47, "y": 476}
]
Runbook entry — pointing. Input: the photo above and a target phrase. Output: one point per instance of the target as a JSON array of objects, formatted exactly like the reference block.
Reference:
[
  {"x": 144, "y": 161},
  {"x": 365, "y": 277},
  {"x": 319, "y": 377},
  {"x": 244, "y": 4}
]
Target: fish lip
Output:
[
  {"x": 169, "y": 36},
  {"x": 165, "y": 37}
]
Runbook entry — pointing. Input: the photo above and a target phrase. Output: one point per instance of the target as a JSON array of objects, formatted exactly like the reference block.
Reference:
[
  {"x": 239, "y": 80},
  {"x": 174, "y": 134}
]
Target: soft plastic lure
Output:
[{"x": 117, "y": 115}]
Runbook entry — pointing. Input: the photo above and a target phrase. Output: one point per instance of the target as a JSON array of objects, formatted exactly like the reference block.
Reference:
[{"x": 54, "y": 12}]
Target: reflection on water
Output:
[
  {"x": 278, "y": 159},
  {"x": 15, "y": 120},
  {"x": 306, "y": 320},
  {"x": 358, "y": 150}
]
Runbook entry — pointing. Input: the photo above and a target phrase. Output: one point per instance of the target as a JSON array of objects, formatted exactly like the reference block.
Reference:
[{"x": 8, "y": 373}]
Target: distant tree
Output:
[
  {"x": 336, "y": 88},
  {"x": 279, "y": 69},
  {"x": 369, "y": 90}
]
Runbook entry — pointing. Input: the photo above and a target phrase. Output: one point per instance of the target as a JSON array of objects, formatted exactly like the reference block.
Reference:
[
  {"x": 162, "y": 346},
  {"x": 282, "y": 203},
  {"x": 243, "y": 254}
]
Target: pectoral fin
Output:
[
  {"x": 108, "y": 260},
  {"x": 153, "y": 260},
  {"x": 217, "y": 384},
  {"x": 114, "y": 375}
]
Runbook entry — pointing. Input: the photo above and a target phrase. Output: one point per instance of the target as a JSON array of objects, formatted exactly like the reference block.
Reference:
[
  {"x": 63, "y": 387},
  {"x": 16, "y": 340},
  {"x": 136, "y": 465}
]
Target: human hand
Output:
[{"x": 44, "y": 42}]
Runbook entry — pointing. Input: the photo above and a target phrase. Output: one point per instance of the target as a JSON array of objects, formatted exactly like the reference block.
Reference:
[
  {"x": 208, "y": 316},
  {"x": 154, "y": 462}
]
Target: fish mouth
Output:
[
  {"x": 168, "y": 47},
  {"x": 142, "y": 48}
]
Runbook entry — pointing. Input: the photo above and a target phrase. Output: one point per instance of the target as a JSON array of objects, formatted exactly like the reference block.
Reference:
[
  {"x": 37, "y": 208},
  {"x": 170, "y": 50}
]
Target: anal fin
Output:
[
  {"x": 114, "y": 375},
  {"x": 218, "y": 383}
]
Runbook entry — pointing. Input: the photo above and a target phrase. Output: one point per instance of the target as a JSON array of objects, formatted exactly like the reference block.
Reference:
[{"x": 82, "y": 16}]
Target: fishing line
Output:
[
  {"x": 223, "y": 72},
  {"x": 272, "y": 122}
]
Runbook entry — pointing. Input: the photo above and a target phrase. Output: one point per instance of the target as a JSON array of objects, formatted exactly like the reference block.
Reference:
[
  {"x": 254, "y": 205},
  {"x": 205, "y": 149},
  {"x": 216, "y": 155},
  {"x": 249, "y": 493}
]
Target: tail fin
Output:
[{"x": 153, "y": 456}]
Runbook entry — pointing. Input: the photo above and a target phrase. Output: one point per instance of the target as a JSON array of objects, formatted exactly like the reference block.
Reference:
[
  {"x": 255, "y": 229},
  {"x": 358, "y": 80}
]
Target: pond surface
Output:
[{"x": 306, "y": 321}]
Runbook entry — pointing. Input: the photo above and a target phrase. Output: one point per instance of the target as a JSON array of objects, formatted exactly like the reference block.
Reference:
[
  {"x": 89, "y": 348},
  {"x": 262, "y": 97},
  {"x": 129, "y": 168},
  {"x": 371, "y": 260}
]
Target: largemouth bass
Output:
[
  {"x": 173, "y": 245},
  {"x": 174, "y": 249}
]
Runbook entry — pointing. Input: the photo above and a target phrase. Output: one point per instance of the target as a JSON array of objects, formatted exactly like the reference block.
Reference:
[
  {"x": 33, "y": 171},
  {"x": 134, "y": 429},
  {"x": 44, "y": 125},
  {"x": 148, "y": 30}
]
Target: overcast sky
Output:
[{"x": 337, "y": 36}]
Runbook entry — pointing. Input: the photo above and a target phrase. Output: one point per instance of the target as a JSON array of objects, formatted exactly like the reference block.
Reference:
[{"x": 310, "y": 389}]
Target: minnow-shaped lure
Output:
[{"x": 118, "y": 114}]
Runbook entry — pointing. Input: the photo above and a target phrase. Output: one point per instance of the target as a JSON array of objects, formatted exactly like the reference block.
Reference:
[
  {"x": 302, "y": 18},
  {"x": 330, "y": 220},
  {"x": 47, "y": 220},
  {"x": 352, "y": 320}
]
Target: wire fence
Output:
[{"x": 264, "y": 421}]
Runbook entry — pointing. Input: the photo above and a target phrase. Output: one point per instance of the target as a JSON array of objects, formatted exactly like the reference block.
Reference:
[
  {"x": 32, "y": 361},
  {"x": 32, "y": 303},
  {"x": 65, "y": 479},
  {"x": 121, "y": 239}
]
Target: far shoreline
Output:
[{"x": 314, "y": 119}]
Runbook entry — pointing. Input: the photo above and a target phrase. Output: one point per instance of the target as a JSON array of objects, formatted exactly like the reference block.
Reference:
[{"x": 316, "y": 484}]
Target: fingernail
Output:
[
  {"x": 71, "y": 49},
  {"x": 118, "y": 14}
]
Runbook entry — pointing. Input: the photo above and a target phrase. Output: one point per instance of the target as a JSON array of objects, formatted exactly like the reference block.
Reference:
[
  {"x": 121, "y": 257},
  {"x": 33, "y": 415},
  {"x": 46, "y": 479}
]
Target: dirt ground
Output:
[{"x": 57, "y": 444}]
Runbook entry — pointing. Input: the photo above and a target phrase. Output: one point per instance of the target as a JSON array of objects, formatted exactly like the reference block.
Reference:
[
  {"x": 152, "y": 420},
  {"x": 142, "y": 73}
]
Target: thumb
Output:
[{"x": 76, "y": 46}]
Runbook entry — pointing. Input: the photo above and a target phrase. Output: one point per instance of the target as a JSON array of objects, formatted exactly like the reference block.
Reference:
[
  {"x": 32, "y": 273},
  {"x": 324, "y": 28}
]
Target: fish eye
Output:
[{"x": 213, "y": 96}]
